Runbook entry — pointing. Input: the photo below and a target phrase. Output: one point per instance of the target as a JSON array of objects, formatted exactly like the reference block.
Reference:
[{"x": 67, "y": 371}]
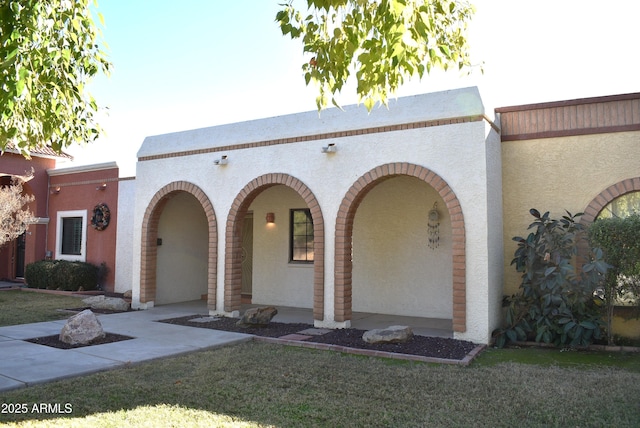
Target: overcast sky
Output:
[{"x": 194, "y": 63}]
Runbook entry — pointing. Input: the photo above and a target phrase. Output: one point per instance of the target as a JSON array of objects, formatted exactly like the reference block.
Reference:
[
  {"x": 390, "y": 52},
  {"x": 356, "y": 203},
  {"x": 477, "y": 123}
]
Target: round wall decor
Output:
[{"x": 101, "y": 216}]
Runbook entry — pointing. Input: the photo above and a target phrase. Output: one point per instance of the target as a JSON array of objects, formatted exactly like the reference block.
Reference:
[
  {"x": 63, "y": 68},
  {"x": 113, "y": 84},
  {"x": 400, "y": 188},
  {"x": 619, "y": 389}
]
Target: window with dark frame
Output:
[
  {"x": 72, "y": 236},
  {"x": 301, "y": 236}
]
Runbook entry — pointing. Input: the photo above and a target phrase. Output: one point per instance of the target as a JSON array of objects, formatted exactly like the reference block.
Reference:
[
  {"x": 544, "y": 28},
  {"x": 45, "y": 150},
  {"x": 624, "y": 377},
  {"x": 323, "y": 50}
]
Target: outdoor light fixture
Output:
[
  {"x": 271, "y": 218},
  {"x": 331, "y": 148},
  {"x": 55, "y": 190},
  {"x": 102, "y": 186},
  {"x": 222, "y": 161}
]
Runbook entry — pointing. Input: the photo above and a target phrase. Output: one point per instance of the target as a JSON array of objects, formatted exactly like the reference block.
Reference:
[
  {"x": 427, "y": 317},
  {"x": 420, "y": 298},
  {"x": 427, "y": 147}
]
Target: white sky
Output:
[{"x": 194, "y": 63}]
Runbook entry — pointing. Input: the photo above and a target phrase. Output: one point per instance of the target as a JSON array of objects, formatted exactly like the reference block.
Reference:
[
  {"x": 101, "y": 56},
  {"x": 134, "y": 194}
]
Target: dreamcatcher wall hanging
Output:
[{"x": 434, "y": 227}]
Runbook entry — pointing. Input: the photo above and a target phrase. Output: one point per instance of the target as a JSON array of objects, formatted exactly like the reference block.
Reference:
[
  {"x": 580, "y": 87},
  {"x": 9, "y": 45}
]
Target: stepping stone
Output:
[
  {"x": 295, "y": 337},
  {"x": 315, "y": 331}
]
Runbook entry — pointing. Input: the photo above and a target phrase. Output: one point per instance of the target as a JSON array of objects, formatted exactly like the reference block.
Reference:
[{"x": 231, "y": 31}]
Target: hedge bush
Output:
[
  {"x": 61, "y": 275},
  {"x": 619, "y": 238}
]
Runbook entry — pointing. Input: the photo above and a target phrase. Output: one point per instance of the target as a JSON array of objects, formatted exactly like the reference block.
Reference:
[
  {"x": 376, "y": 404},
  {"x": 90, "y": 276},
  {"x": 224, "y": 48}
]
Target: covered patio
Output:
[{"x": 432, "y": 327}]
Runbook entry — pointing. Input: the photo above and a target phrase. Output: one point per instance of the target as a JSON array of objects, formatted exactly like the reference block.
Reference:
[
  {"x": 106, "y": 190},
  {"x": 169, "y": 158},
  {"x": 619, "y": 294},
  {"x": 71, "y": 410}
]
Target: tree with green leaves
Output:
[
  {"x": 382, "y": 41},
  {"x": 555, "y": 303},
  {"x": 49, "y": 50}
]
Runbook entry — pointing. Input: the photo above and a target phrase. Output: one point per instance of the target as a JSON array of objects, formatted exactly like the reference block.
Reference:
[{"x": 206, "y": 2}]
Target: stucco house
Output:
[
  {"x": 333, "y": 212},
  {"x": 407, "y": 211}
]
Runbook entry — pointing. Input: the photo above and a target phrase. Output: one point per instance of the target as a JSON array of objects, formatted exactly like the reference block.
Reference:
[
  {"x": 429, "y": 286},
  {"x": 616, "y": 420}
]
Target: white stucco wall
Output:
[
  {"x": 182, "y": 257},
  {"x": 457, "y": 152},
  {"x": 276, "y": 281},
  {"x": 394, "y": 269},
  {"x": 124, "y": 253}
]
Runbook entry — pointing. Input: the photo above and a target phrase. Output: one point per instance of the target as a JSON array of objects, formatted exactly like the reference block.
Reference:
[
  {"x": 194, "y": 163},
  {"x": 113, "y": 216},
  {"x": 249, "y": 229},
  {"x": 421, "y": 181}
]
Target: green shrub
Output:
[
  {"x": 619, "y": 239},
  {"x": 61, "y": 275},
  {"x": 555, "y": 303},
  {"x": 39, "y": 274}
]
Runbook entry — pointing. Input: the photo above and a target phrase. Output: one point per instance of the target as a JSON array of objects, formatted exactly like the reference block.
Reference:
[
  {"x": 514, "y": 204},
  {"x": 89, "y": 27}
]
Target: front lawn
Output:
[
  {"x": 258, "y": 384},
  {"x": 25, "y": 307}
]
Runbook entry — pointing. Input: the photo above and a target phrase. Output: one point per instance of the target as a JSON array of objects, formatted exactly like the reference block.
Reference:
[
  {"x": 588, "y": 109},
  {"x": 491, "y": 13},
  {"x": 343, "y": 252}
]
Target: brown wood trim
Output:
[
  {"x": 571, "y": 132},
  {"x": 579, "y": 101}
]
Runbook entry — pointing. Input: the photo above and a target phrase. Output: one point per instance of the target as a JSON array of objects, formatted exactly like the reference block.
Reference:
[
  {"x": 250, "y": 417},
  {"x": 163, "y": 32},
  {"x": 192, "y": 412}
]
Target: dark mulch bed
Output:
[
  {"x": 435, "y": 347},
  {"x": 55, "y": 342}
]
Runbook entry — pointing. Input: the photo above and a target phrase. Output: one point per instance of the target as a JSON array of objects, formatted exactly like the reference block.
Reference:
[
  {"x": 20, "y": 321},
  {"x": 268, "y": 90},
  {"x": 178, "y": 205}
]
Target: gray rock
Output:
[
  {"x": 258, "y": 317},
  {"x": 82, "y": 329},
  {"x": 393, "y": 334},
  {"x": 127, "y": 294},
  {"x": 109, "y": 303}
]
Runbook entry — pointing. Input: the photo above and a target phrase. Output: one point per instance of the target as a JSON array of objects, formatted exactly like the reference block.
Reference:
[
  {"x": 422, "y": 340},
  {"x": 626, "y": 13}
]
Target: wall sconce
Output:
[
  {"x": 103, "y": 186},
  {"x": 55, "y": 190},
  {"x": 271, "y": 218},
  {"x": 222, "y": 161},
  {"x": 331, "y": 148}
]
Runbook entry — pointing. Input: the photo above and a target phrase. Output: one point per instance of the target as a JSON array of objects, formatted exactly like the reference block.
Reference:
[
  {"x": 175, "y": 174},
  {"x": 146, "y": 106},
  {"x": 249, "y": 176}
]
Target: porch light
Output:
[
  {"x": 331, "y": 148},
  {"x": 103, "y": 186},
  {"x": 271, "y": 218},
  {"x": 55, "y": 190}
]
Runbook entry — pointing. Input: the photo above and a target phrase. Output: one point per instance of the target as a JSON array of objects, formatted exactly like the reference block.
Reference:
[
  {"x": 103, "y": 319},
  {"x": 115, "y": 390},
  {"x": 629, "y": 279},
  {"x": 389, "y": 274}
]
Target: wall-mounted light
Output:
[
  {"x": 222, "y": 161},
  {"x": 55, "y": 190},
  {"x": 103, "y": 186},
  {"x": 271, "y": 218},
  {"x": 331, "y": 148}
]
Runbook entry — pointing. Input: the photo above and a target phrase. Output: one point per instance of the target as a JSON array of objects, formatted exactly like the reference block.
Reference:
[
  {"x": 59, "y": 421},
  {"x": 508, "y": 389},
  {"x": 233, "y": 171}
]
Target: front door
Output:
[
  {"x": 20, "y": 255},
  {"x": 247, "y": 258}
]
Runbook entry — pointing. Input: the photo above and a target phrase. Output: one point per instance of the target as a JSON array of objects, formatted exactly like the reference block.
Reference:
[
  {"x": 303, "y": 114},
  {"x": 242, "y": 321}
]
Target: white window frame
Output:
[{"x": 83, "y": 249}]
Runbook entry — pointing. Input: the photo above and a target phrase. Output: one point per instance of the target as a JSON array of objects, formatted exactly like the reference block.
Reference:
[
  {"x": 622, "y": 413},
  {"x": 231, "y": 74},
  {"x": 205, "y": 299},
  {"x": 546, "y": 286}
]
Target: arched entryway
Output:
[
  {"x": 234, "y": 238},
  {"x": 192, "y": 196},
  {"x": 345, "y": 226}
]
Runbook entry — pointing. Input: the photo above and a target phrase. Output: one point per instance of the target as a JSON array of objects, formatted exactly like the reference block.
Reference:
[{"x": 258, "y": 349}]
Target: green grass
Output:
[
  {"x": 261, "y": 384},
  {"x": 24, "y": 307},
  {"x": 548, "y": 357},
  {"x": 258, "y": 384}
]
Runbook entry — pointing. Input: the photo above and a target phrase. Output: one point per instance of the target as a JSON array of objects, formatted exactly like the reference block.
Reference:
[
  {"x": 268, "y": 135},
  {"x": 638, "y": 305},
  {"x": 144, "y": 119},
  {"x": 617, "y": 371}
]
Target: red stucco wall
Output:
[{"x": 83, "y": 191}]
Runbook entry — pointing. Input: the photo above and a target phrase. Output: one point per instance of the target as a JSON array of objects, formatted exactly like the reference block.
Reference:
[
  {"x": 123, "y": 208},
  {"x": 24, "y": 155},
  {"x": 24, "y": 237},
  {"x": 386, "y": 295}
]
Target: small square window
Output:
[
  {"x": 71, "y": 236},
  {"x": 301, "y": 236}
]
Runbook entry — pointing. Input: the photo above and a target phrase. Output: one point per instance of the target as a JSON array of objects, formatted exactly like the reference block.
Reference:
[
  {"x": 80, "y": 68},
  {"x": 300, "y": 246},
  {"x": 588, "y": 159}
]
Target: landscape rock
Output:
[
  {"x": 393, "y": 334},
  {"x": 258, "y": 317},
  {"x": 82, "y": 329},
  {"x": 109, "y": 303},
  {"x": 127, "y": 294}
]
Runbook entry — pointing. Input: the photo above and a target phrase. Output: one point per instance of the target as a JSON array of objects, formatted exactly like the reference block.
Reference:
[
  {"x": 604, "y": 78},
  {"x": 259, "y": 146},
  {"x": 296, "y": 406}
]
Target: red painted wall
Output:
[{"x": 81, "y": 191}]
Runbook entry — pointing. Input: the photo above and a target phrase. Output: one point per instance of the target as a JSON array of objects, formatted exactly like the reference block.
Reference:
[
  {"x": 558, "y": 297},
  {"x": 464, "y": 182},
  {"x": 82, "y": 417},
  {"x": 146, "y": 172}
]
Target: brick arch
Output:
[
  {"x": 233, "y": 246},
  {"x": 344, "y": 236},
  {"x": 599, "y": 202},
  {"x": 608, "y": 195},
  {"x": 149, "y": 255}
]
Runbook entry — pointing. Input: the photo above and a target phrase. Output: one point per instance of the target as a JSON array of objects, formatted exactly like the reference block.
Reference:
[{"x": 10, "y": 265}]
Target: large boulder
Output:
[
  {"x": 108, "y": 303},
  {"x": 393, "y": 334},
  {"x": 258, "y": 317},
  {"x": 82, "y": 329}
]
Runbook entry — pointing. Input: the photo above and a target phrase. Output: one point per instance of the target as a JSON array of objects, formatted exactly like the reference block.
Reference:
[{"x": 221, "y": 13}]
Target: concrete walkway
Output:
[{"x": 23, "y": 363}]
